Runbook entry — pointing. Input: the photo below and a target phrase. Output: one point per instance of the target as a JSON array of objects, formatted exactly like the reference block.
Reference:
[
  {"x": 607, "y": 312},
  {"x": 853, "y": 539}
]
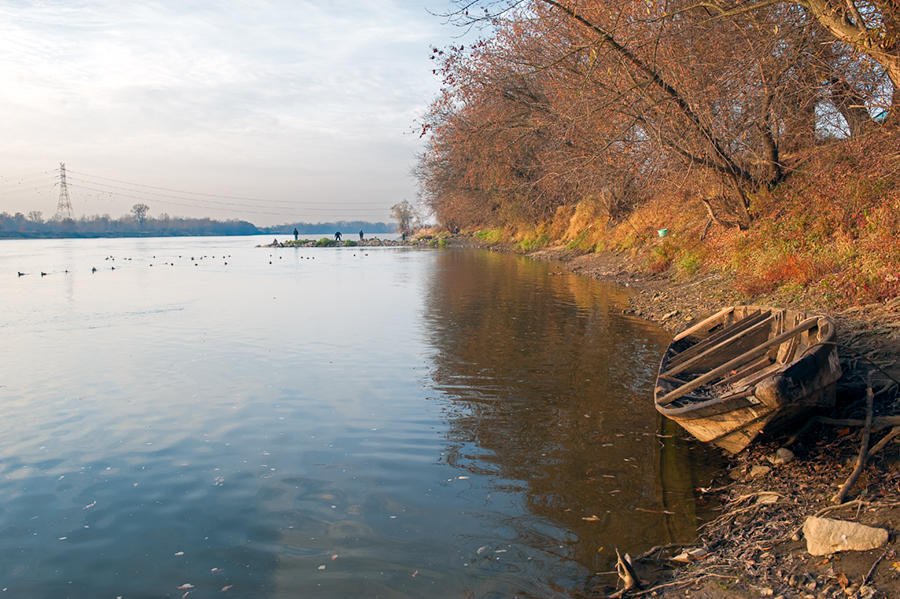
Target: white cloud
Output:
[{"x": 273, "y": 99}]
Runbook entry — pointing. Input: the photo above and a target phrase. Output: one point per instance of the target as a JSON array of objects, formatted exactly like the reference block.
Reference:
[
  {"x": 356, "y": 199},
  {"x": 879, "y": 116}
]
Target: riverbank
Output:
[
  {"x": 755, "y": 547},
  {"x": 412, "y": 241}
]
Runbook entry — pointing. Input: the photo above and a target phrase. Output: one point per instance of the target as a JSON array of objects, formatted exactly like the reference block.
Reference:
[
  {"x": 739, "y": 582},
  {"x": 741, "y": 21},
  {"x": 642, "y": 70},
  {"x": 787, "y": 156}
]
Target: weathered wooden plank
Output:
[
  {"x": 705, "y": 322},
  {"x": 750, "y": 381},
  {"x": 746, "y": 371},
  {"x": 753, "y": 353},
  {"x": 732, "y": 329},
  {"x": 681, "y": 367}
]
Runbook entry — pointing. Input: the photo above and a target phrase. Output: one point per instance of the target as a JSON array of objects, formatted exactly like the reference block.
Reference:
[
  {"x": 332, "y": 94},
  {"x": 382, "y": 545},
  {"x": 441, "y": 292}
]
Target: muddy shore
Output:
[{"x": 756, "y": 547}]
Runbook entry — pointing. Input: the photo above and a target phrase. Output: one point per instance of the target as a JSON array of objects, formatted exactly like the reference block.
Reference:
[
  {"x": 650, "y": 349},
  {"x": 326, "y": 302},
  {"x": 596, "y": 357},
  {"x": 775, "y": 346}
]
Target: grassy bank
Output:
[{"x": 827, "y": 237}]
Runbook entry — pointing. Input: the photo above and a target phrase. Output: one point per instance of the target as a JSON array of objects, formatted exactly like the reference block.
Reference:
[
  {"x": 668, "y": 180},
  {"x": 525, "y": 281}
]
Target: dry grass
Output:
[{"x": 829, "y": 235}]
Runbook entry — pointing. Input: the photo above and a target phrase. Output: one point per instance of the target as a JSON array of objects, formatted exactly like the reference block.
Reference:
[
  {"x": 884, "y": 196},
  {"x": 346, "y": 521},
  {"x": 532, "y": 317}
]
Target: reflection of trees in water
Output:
[{"x": 550, "y": 391}]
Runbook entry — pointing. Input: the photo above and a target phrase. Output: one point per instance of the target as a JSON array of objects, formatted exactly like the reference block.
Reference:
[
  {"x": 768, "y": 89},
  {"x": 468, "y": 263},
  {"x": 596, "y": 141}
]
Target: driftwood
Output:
[
  {"x": 864, "y": 446},
  {"x": 884, "y": 441},
  {"x": 625, "y": 569}
]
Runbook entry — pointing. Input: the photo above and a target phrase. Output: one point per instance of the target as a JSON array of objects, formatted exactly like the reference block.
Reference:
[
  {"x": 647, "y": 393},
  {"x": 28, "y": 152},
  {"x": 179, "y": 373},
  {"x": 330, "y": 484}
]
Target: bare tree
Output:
[
  {"x": 404, "y": 214},
  {"x": 140, "y": 212},
  {"x": 618, "y": 100}
]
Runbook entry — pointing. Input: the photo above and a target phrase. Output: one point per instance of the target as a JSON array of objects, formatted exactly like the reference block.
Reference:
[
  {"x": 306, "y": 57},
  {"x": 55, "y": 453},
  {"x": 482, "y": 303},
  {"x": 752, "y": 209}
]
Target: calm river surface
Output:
[{"x": 323, "y": 423}]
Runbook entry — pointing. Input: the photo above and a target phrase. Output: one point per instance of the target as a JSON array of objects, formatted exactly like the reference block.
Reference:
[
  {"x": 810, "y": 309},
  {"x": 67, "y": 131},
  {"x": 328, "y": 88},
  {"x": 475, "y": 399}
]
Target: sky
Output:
[{"x": 267, "y": 111}]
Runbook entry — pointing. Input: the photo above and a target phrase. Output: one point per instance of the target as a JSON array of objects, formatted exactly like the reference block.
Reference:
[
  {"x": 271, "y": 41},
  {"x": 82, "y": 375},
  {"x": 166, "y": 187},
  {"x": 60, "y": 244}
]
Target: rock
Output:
[
  {"x": 669, "y": 315},
  {"x": 782, "y": 456},
  {"x": 766, "y": 498},
  {"x": 759, "y": 471},
  {"x": 825, "y": 536},
  {"x": 690, "y": 555}
]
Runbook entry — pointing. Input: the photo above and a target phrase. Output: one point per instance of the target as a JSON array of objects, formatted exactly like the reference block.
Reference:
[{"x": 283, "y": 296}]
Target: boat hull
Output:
[
  {"x": 734, "y": 429},
  {"x": 785, "y": 395}
]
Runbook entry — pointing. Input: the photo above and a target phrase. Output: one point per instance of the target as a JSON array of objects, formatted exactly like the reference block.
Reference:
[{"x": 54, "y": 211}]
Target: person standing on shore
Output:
[
  {"x": 337, "y": 236},
  {"x": 360, "y": 234},
  {"x": 296, "y": 234}
]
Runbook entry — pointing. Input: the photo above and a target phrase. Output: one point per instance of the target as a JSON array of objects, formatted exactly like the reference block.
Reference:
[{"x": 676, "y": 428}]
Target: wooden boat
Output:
[{"x": 746, "y": 370}]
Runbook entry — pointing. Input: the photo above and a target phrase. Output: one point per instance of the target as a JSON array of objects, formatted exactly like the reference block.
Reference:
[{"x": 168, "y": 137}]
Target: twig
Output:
[
  {"x": 793, "y": 438},
  {"x": 679, "y": 583},
  {"x": 733, "y": 513},
  {"x": 878, "y": 423},
  {"x": 864, "y": 446},
  {"x": 872, "y": 569},
  {"x": 884, "y": 441},
  {"x": 753, "y": 495},
  {"x": 653, "y": 550}
]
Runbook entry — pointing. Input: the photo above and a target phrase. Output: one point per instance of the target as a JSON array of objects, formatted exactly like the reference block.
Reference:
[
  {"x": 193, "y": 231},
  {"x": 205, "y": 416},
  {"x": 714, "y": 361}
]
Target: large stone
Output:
[{"x": 825, "y": 536}]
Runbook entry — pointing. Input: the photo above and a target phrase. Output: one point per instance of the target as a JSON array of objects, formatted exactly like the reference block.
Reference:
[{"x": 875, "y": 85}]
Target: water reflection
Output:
[
  {"x": 549, "y": 388},
  {"x": 442, "y": 422}
]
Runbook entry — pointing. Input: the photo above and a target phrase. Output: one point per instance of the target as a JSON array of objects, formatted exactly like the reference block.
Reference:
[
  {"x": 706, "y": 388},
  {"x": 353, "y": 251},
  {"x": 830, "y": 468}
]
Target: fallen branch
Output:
[
  {"x": 656, "y": 548},
  {"x": 878, "y": 422},
  {"x": 864, "y": 446},
  {"x": 884, "y": 441},
  {"x": 681, "y": 583}
]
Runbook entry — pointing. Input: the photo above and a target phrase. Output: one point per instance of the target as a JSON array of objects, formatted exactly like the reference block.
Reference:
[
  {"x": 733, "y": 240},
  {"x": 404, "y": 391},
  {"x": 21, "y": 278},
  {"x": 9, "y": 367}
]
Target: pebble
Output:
[
  {"x": 759, "y": 471},
  {"x": 782, "y": 456}
]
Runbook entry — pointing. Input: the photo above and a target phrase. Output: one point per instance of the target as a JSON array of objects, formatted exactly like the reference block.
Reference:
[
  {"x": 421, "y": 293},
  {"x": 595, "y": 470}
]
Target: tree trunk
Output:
[{"x": 859, "y": 38}]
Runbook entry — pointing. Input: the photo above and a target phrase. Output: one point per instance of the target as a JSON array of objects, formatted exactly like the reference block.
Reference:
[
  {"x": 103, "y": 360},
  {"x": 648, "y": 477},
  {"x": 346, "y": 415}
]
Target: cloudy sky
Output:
[{"x": 270, "y": 111}]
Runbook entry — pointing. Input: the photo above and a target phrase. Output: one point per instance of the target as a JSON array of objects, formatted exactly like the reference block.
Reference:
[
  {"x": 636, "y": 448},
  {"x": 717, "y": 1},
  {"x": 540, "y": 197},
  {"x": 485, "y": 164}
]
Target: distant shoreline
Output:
[
  {"x": 6, "y": 235},
  {"x": 329, "y": 241}
]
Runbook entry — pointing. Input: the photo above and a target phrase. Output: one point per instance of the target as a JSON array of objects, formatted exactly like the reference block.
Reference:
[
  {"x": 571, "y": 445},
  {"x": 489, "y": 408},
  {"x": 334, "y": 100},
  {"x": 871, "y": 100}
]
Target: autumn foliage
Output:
[{"x": 572, "y": 120}]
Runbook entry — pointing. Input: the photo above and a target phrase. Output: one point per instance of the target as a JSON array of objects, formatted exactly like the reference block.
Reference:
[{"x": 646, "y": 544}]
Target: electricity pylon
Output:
[{"x": 64, "y": 205}]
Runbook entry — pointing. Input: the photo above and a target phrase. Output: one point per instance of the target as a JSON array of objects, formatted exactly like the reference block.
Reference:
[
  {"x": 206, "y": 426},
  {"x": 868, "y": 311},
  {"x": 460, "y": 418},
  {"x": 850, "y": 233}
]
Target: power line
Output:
[
  {"x": 203, "y": 202},
  {"x": 160, "y": 199},
  {"x": 198, "y": 193},
  {"x": 29, "y": 182}
]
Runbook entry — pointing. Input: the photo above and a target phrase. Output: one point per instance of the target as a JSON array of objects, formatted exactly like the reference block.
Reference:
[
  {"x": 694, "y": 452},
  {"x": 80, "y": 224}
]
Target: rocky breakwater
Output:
[{"x": 413, "y": 241}]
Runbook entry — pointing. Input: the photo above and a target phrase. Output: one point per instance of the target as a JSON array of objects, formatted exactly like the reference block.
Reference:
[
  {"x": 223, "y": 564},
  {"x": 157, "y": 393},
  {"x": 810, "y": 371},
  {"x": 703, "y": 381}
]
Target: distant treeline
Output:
[
  {"x": 23, "y": 226},
  {"x": 329, "y": 228}
]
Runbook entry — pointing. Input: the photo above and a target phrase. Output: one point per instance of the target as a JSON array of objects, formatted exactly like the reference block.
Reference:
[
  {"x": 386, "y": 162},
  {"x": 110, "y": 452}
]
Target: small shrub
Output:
[
  {"x": 490, "y": 235},
  {"x": 326, "y": 242},
  {"x": 578, "y": 242},
  {"x": 533, "y": 243},
  {"x": 689, "y": 262},
  {"x": 661, "y": 257}
]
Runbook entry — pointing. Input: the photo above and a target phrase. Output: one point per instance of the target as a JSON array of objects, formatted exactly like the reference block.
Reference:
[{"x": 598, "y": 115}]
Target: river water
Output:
[{"x": 199, "y": 414}]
